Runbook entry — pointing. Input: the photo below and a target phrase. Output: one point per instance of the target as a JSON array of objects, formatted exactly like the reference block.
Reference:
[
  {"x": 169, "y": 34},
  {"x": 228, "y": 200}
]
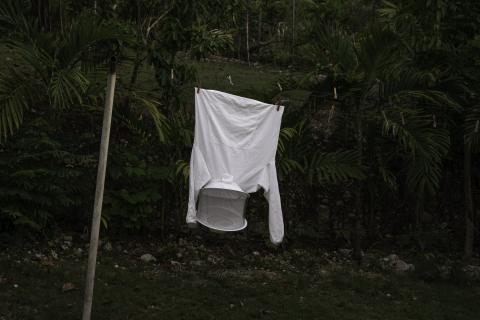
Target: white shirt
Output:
[{"x": 236, "y": 136}]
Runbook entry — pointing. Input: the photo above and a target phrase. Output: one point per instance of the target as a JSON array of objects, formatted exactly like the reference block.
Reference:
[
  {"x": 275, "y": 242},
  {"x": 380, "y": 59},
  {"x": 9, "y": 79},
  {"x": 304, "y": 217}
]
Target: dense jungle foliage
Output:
[{"x": 379, "y": 142}]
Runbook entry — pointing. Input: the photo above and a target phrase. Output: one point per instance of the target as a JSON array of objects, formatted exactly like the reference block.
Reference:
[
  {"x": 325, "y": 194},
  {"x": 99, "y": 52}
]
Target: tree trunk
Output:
[
  {"x": 293, "y": 25},
  {"x": 259, "y": 26},
  {"x": 357, "y": 227},
  {"x": 419, "y": 221},
  {"x": 469, "y": 226},
  {"x": 247, "y": 42}
]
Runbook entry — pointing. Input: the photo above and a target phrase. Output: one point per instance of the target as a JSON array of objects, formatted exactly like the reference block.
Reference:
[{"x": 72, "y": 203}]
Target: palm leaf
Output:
[{"x": 334, "y": 167}]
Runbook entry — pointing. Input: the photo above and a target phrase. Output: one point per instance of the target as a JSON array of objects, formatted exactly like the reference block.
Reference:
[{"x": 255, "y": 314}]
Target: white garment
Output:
[{"x": 236, "y": 136}]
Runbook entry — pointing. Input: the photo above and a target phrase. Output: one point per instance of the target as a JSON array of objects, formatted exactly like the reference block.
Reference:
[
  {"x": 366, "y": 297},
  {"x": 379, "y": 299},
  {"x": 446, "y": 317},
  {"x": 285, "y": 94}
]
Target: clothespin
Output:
[
  {"x": 434, "y": 120},
  {"x": 403, "y": 119},
  {"x": 278, "y": 104},
  {"x": 279, "y": 99},
  {"x": 335, "y": 96},
  {"x": 477, "y": 124},
  {"x": 198, "y": 89},
  {"x": 330, "y": 114},
  {"x": 171, "y": 74},
  {"x": 229, "y": 77}
]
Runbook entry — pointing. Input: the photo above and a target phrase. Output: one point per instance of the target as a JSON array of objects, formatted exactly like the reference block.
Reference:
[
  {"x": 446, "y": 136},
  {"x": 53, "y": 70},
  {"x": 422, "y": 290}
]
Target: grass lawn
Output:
[{"x": 213, "y": 278}]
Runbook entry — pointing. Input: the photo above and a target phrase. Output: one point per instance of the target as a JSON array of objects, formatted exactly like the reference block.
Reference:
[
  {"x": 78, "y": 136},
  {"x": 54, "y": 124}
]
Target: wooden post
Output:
[
  {"x": 293, "y": 25},
  {"x": 97, "y": 207}
]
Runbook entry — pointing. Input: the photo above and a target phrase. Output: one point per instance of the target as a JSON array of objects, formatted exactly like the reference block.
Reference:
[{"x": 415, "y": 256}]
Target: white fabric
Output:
[{"x": 236, "y": 136}]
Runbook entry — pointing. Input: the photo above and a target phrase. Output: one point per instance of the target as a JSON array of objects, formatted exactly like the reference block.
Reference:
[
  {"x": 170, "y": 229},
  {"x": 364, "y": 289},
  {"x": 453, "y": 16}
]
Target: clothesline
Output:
[{"x": 327, "y": 97}]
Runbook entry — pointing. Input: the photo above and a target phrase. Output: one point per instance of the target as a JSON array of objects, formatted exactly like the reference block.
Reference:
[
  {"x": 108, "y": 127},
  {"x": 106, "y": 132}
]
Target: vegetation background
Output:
[{"x": 379, "y": 146}]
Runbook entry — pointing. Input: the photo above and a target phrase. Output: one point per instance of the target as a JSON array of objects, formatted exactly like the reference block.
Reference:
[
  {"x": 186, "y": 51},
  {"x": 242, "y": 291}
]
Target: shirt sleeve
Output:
[
  {"x": 272, "y": 194},
  {"x": 198, "y": 177}
]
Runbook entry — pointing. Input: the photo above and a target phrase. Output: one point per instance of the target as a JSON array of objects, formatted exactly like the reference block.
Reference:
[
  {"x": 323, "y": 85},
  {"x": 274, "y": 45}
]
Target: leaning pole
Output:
[{"x": 97, "y": 207}]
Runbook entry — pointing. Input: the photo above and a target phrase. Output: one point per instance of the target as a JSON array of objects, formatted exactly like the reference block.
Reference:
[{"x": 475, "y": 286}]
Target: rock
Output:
[
  {"x": 108, "y": 246},
  {"x": 368, "y": 260},
  {"x": 401, "y": 267},
  {"x": 78, "y": 252},
  {"x": 68, "y": 287},
  {"x": 395, "y": 264},
  {"x": 472, "y": 272},
  {"x": 66, "y": 245},
  {"x": 197, "y": 263},
  {"x": 68, "y": 238},
  {"x": 393, "y": 258},
  {"x": 147, "y": 257},
  {"x": 445, "y": 272},
  {"x": 345, "y": 252},
  {"x": 324, "y": 272},
  {"x": 39, "y": 256},
  {"x": 176, "y": 266}
]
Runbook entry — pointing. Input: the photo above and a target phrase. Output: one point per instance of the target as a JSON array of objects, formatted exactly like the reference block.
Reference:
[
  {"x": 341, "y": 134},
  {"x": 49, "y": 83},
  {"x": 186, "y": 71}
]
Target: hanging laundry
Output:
[{"x": 233, "y": 154}]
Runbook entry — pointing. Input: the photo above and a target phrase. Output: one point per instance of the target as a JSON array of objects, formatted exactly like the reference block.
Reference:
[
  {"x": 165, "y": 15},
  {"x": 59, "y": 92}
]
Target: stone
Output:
[
  {"x": 78, "y": 252},
  {"x": 39, "y": 256},
  {"x": 345, "y": 252},
  {"x": 197, "y": 263},
  {"x": 472, "y": 272},
  {"x": 108, "y": 246},
  {"x": 401, "y": 267},
  {"x": 393, "y": 258},
  {"x": 445, "y": 272},
  {"x": 176, "y": 266},
  {"x": 147, "y": 257},
  {"x": 393, "y": 263},
  {"x": 68, "y": 287}
]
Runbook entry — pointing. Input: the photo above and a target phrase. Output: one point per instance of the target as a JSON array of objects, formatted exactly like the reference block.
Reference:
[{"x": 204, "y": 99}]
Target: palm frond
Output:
[
  {"x": 182, "y": 169},
  {"x": 472, "y": 128},
  {"x": 378, "y": 52},
  {"x": 337, "y": 47},
  {"x": 67, "y": 87},
  {"x": 87, "y": 33},
  {"x": 15, "y": 95},
  {"x": 334, "y": 167},
  {"x": 426, "y": 148},
  {"x": 13, "y": 20}
]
